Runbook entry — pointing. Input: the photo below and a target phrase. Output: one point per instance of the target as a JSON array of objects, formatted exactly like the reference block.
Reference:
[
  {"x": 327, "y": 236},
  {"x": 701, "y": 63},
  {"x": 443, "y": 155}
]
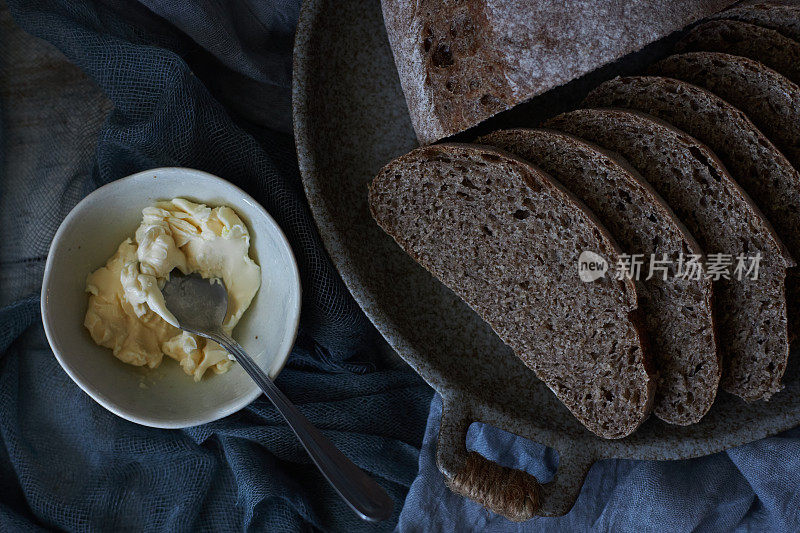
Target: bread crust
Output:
[{"x": 460, "y": 63}]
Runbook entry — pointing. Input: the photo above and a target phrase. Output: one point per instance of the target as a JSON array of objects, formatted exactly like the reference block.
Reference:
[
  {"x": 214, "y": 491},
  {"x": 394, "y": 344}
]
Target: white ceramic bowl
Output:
[{"x": 165, "y": 397}]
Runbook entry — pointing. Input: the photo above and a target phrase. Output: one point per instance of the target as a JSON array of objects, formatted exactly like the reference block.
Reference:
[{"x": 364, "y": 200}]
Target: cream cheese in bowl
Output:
[{"x": 126, "y": 310}]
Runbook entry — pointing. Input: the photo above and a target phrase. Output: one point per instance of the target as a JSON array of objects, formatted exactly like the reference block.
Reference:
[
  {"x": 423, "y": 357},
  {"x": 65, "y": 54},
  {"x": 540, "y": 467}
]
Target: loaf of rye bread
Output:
[
  {"x": 677, "y": 313},
  {"x": 783, "y": 17},
  {"x": 506, "y": 238},
  {"x": 770, "y": 100},
  {"x": 762, "y": 171},
  {"x": 750, "y": 314},
  {"x": 460, "y": 62},
  {"x": 764, "y": 45}
]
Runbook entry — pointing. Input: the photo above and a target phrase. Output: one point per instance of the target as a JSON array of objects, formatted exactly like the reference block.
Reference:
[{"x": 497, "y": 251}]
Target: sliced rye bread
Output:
[
  {"x": 769, "y": 99},
  {"x": 677, "y": 313},
  {"x": 752, "y": 160},
  {"x": 764, "y": 45},
  {"x": 783, "y": 18},
  {"x": 750, "y": 314},
  {"x": 506, "y": 238}
]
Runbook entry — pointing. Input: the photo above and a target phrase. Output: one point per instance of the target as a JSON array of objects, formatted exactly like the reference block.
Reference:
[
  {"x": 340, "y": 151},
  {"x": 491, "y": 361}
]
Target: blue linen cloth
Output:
[
  {"x": 204, "y": 86},
  {"x": 755, "y": 487}
]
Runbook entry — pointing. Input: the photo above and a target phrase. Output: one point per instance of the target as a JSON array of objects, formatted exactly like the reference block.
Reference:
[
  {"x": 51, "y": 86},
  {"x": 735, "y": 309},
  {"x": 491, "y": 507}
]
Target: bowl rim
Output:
[{"x": 168, "y": 422}]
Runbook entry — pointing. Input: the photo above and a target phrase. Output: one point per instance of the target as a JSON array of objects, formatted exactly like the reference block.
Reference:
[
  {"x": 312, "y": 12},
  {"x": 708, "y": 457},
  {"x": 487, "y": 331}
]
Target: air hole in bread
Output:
[
  {"x": 465, "y": 196},
  {"x": 442, "y": 56},
  {"x": 466, "y": 182}
]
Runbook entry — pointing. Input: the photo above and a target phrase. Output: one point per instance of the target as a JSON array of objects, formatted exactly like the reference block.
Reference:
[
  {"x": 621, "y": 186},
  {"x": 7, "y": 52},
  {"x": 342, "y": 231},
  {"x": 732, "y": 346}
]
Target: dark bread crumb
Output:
[
  {"x": 753, "y": 161},
  {"x": 769, "y": 99},
  {"x": 785, "y": 19},
  {"x": 676, "y": 313},
  {"x": 751, "y": 314},
  {"x": 506, "y": 239},
  {"x": 747, "y": 40}
]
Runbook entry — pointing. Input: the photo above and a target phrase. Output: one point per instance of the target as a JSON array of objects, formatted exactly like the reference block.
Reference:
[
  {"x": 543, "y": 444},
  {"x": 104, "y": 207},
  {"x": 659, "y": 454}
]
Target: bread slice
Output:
[
  {"x": 764, "y": 45},
  {"x": 750, "y": 314},
  {"x": 506, "y": 238},
  {"x": 781, "y": 17},
  {"x": 754, "y": 163},
  {"x": 460, "y": 63},
  {"x": 677, "y": 313},
  {"x": 769, "y": 99}
]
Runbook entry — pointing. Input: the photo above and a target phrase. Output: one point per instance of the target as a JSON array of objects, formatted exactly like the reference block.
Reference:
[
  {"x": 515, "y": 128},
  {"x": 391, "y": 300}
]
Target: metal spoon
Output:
[{"x": 200, "y": 307}]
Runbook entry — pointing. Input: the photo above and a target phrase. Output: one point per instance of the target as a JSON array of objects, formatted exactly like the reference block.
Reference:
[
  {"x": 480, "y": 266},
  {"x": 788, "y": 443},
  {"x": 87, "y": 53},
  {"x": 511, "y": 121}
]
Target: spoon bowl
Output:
[{"x": 199, "y": 304}]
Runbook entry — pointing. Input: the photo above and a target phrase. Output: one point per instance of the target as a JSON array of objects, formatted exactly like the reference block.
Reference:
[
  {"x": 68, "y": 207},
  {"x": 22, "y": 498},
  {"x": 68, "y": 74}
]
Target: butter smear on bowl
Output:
[{"x": 126, "y": 310}]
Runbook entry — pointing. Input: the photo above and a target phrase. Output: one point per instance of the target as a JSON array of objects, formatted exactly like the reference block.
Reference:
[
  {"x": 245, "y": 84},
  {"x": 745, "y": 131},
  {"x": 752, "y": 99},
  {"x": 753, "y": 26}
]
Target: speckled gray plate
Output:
[{"x": 350, "y": 119}]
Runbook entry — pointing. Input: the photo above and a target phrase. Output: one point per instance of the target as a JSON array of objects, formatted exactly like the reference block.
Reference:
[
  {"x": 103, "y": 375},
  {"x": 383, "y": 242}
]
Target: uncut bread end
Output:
[{"x": 506, "y": 239}]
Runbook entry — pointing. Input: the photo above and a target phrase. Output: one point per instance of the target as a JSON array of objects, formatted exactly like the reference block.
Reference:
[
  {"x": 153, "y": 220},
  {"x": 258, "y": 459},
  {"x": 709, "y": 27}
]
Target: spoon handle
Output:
[{"x": 360, "y": 491}]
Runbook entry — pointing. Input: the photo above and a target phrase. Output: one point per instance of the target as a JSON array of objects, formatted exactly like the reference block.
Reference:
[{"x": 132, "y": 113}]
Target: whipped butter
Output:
[{"x": 127, "y": 312}]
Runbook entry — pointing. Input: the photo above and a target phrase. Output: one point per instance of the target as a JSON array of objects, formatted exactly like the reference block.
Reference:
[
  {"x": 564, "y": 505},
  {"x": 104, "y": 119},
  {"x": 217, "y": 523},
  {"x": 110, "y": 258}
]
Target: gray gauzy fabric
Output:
[{"x": 139, "y": 86}]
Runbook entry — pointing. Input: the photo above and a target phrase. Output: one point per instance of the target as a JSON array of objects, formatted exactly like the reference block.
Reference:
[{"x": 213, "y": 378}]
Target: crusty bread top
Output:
[
  {"x": 506, "y": 238},
  {"x": 460, "y": 62}
]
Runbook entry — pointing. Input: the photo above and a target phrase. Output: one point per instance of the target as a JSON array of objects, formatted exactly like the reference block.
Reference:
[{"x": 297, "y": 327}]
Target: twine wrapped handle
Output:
[
  {"x": 515, "y": 494},
  {"x": 512, "y": 493}
]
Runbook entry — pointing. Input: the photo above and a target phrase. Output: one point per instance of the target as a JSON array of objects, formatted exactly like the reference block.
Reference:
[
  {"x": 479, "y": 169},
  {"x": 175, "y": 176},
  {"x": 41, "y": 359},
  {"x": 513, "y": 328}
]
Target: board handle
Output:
[{"x": 509, "y": 492}]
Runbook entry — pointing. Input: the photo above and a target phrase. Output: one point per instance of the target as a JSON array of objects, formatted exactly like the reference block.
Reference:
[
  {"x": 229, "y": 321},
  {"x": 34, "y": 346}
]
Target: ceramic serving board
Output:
[{"x": 350, "y": 119}]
